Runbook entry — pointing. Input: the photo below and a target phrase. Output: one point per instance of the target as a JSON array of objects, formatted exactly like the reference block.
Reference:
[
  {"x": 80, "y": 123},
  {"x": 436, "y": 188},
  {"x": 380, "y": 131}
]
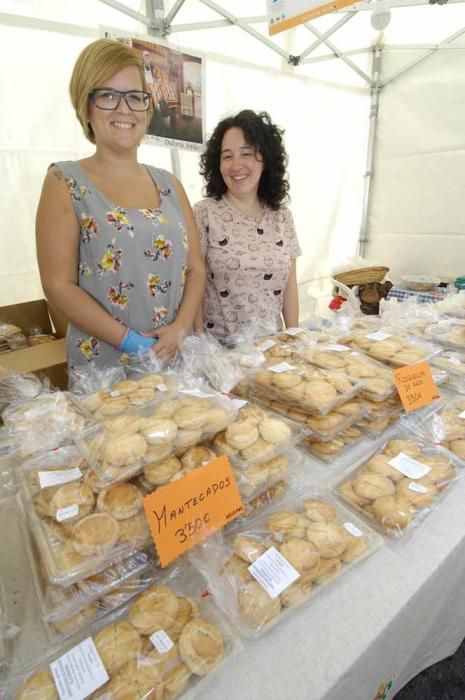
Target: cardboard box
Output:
[{"x": 48, "y": 358}]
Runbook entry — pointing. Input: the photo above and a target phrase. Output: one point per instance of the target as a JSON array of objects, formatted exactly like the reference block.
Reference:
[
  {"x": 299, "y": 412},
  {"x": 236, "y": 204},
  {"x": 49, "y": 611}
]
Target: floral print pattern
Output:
[
  {"x": 89, "y": 227},
  {"x": 88, "y": 347},
  {"x": 119, "y": 218},
  {"x": 111, "y": 260}
]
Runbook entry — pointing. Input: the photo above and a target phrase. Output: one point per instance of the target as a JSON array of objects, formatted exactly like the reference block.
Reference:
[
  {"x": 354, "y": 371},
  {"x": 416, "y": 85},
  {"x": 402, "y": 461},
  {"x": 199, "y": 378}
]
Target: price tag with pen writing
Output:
[
  {"x": 185, "y": 512},
  {"x": 415, "y": 385}
]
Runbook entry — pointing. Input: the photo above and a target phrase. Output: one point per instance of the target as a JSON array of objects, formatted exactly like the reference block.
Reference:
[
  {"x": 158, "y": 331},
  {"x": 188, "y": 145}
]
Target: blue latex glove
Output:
[{"x": 134, "y": 340}]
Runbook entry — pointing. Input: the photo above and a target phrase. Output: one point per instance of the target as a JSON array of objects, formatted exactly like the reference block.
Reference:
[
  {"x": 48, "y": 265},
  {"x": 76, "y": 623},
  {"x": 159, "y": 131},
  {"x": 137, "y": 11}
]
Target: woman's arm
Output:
[
  {"x": 57, "y": 239},
  {"x": 291, "y": 299},
  {"x": 170, "y": 335}
]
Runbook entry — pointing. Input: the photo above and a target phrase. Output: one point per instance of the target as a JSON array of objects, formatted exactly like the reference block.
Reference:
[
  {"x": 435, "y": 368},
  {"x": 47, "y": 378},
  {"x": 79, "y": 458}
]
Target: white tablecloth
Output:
[{"x": 386, "y": 619}]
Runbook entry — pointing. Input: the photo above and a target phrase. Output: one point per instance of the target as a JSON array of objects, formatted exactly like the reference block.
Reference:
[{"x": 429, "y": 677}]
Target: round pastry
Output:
[
  {"x": 92, "y": 480},
  {"x": 191, "y": 418},
  {"x": 323, "y": 423},
  {"x": 341, "y": 383},
  {"x": 319, "y": 393},
  {"x": 263, "y": 378},
  {"x": 125, "y": 449},
  {"x": 277, "y": 466},
  {"x": 167, "y": 408},
  {"x": 79, "y": 619},
  {"x": 252, "y": 413},
  {"x": 67, "y": 559},
  {"x": 256, "y": 607},
  {"x": 117, "y": 644},
  {"x": 420, "y": 492},
  {"x": 294, "y": 393},
  {"x": 328, "y": 569},
  {"x": 301, "y": 554},
  {"x": 379, "y": 464},
  {"x": 286, "y": 380},
  {"x": 61, "y": 532},
  {"x": 297, "y": 415},
  {"x": 141, "y": 396},
  {"x": 356, "y": 546},
  {"x": 349, "y": 408},
  {"x": 297, "y": 592},
  {"x": 175, "y": 681},
  {"x": 441, "y": 469},
  {"x": 378, "y": 386},
  {"x": 159, "y": 431},
  {"x": 155, "y": 453},
  {"x": 197, "y": 456},
  {"x": 42, "y": 502},
  {"x": 241, "y": 434},
  {"x": 92, "y": 402},
  {"x": 329, "y": 538},
  {"x": 155, "y": 609},
  {"x": 73, "y": 494},
  {"x": 121, "y": 500},
  {"x": 371, "y": 486},
  {"x": 133, "y": 530},
  {"x": 392, "y": 511},
  {"x": 408, "y": 356},
  {"x": 112, "y": 406},
  {"x": 324, "y": 449},
  {"x": 39, "y": 686},
  {"x": 260, "y": 449},
  {"x": 217, "y": 419},
  {"x": 151, "y": 381},
  {"x": 124, "y": 424},
  {"x": 348, "y": 494},
  {"x": 238, "y": 568},
  {"x": 254, "y": 479},
  {"x": 125, "y": 387},
  {"x": 142, "y": 676},
  {"x": 201, "y": 646},
  {"x": 408, "y": 447},
  {"x": 287, "y": 524},
  {"x": 186, "y": 438},
  {"x": 95, "y": 534},
  {"x": 221, "y": 446},
  {"x": 247, "y": 548},
  {"x": 458, "y": 448},
  {"x": 319, "y": 511},
  {"x": 274, "y": 431},
  {"x": 187, "y": 610},
  {"x": 161, "y": 472}
]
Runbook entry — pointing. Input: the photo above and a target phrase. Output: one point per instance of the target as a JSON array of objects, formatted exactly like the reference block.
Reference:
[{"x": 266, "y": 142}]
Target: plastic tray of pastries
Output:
[
  {"x": 393, "y": 349},
  {"x": 120, "y": 447},
  {"x": 453, "y": 363},
  {"x": 256, "y": 479},
  {"x": 444, "y": 425},
  {"x": 450, "y": 334},
  {"x": 377, "y": 379},
  {"x": 166, "y": 643},
  {"x": 80, "y": 525},
  {"x": 397, "y": 482},
  {"x": 314, "y": 534},
  {"x": 329, "y": 450}
]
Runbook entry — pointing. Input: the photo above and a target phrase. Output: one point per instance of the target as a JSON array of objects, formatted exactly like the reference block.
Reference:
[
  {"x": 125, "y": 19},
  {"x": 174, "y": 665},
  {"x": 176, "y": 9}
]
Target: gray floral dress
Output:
[{"x": 132, "y": 261}]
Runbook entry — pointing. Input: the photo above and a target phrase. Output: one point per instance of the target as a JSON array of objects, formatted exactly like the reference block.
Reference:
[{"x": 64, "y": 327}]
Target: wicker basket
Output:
[{"x": 362, "y": 276}]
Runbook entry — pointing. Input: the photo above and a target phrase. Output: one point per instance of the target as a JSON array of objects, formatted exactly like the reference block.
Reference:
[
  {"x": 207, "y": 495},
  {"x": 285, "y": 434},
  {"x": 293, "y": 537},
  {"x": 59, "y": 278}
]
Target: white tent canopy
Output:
[{"x": 411, "y": 217}]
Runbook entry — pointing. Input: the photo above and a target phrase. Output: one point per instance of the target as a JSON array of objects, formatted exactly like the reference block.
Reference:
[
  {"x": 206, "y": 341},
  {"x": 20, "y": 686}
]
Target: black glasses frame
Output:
[{"x": 121, "y": 94}]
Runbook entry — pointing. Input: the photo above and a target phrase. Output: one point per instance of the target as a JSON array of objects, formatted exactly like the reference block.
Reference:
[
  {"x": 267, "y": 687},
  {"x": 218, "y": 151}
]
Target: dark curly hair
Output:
[{"x": 266, "y": 138}]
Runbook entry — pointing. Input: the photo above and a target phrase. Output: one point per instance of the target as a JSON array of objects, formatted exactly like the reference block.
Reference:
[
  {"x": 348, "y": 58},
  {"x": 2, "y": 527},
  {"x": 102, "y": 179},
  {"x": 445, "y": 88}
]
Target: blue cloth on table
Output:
[{"x": 422, "y": 297}]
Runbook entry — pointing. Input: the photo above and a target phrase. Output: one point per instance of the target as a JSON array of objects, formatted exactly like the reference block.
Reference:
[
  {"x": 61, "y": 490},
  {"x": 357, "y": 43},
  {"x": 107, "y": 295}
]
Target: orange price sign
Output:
[
  {"x": 415, "y": 385},
  {"x": 187, "y": 511}
]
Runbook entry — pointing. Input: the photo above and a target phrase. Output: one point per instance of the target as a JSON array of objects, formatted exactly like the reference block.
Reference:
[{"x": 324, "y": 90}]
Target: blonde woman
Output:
[{"x": 117, "y": 245}]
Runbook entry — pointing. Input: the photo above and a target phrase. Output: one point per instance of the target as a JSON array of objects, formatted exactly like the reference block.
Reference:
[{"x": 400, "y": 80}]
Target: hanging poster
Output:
[
  {"x": 284, "y": 14},
  {"x": 176, "y": 82}
]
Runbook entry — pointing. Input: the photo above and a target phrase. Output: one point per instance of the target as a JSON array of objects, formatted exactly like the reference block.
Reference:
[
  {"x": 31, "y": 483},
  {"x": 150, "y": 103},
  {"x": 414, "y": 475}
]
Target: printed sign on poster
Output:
[{"x": 284, "y": 14}]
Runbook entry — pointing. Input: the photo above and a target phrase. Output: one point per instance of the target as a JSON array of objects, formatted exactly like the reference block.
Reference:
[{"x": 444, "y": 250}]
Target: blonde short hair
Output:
[{"x": 96, "y": 64}]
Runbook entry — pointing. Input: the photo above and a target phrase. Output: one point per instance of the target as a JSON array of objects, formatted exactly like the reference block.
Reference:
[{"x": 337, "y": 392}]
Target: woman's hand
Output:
[{"x": 169, "y": 340}]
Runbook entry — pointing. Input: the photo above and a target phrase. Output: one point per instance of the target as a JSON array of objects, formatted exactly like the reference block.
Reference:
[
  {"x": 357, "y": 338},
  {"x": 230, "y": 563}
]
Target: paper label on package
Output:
[
  {"x": 353, "y": 530},
  {"x": 281, "y": 367},
  {"x": 339, "y": 348},
  {"x": 377, "y": 335},
  {"x": 409, "y": 467},
  {"x": 114, "y": 394},
  {"x": 161, "y": 641},
  {"x": 454, "y": 361},
  {"x": 58, "y": 476},
  {"x": 462, "y": 415},
  {"x": 273, "y": 572},
  {"x": 162, "y": 387},
  {"x": 294, "y": 331},
  {"x": 418, "y": 488},
  {"x": 266, "y": 345},
  {"x": 68, "y": 512},
  {"x": 239, "y": 403},
  {"x": 196, "y": 392},
  {"x": 79, "y": 672}
]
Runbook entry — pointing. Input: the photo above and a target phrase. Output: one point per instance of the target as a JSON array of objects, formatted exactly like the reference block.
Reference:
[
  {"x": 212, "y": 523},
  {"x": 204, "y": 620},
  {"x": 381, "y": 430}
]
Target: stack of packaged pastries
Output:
[
  {"x": 398, "y": 483},
  {"x": 393, "y": 349},
  {"x": 449, "y": 333},
  {"x": 309, "y": 539},
  {"x": 446, "y": 426},
  {"x": 452, "y": 362},
  {"x": 165, "y": 641}
]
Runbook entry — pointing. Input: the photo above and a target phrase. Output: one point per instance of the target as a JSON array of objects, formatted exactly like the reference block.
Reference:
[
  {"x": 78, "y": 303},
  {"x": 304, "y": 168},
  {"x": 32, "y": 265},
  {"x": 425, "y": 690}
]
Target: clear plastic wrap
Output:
[
  {"x": 167, "y": 642},
  {"x": 8, "y": 633},
  {"x": 449, "y": 334},
  {"x": 43, "y": 423},
  {"x": 329, "y": 450},
  {"x": 444, "y": 425},
  {"x": 453, "y": 363},
  {"x": 122, "y": 446},
  {"x": 306, "y": 387},
  {"x": 9, "y": 459},
  {"x": 453, "y": 305},
  {"x": 394, "y": 349},
  {"x": 255, "y": 480},
  {"x": 281, "y": 559},
  {"x": 397, "y": 482},
  {"x": 203, "y": 356},
  {"x": 80, "y": 526},
  {"x": 17, "y": 386}
]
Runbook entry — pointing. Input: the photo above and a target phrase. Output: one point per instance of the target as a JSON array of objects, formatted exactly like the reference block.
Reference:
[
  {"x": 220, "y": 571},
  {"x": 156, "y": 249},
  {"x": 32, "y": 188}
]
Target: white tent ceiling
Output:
[{"x": 323, "y": 103}]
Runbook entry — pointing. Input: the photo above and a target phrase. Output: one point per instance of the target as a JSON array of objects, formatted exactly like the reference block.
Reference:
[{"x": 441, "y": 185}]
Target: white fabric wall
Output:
[
  {"x": 37, "y": 127},
  {"x": 416, "y": 222}
]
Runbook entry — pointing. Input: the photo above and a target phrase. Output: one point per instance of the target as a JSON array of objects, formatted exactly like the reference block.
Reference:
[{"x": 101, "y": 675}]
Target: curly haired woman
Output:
[{"x": 247, "y": 235}]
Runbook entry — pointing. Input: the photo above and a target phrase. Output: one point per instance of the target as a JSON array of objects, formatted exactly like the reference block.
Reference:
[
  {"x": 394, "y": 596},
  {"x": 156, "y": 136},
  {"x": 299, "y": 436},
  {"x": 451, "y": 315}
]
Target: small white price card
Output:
[
  {"x": 353, "y": 530},
  {"x": 338, "y": 348},
  {"x": 162, "y": 387},
  {"x": 462, "y": 415},
  {"x": 273, "y": 572},
  {"x": 409, "y": 467},
  {"x": 266, "y": 345},
  {"x": 161, "y": 641},
  {"x": 294, "y": 331},
  {"x": 58, "y": 476},
  {"x": 67, "y": 512},
  {"x": 377, "y": 335},
  {"x": 417, "y": 488},
  {"x": 238, "y": 403},
  {"x": 281, "y": 367},
  {"x": 79, "y": 672}
]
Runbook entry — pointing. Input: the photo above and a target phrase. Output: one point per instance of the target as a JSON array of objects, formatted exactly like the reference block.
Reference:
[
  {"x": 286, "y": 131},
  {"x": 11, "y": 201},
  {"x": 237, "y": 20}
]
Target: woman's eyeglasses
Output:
[{"x": 108, "y": 98}]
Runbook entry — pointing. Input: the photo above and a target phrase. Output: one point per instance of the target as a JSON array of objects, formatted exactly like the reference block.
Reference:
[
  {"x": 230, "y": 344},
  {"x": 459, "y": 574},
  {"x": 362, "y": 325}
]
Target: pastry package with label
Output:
[
  {"x": 324, "y": 427},
  {"x": 17, "y": 386},
  {"x": 453, "y": 363},
  {"x": 165, "y": 643},
  {"x": 122, "y": 446},
  {"x": 79, "y": 524},
  {"x": 254, "y": 480},
  {"x": 377, "y": 379},
  {"x": 329, "y": 450},
  {"x": 443, "y": 424},
  {"x": 282, "y": 558},
  {"x": 398, "y": 482},
  {"x": 43, "y": 423},
  {"x": 393, "y": 349},
  {"x": 449, "y": 334},
  {"x": 315, "y": 390},
  {"x": 204, "y": 356}
]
